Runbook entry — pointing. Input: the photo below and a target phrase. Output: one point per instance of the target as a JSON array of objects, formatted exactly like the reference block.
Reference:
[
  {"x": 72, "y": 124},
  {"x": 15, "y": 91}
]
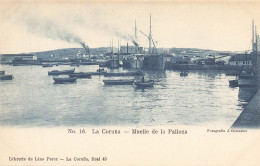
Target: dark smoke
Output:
[
  {"x": 110, "y": 30},
  {"x": 102, "y": 25},
  {"x": 135, "y": 43},
  {"x": 49, "y": 29},
  {"x": 85, "y": 47}
]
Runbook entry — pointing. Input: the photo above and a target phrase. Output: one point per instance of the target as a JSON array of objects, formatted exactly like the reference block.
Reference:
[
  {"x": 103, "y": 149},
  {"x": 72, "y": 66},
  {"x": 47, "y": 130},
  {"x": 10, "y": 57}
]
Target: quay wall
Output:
[
  {"x": 170, "y": 65},
  {"x": 250, "y": 116}
]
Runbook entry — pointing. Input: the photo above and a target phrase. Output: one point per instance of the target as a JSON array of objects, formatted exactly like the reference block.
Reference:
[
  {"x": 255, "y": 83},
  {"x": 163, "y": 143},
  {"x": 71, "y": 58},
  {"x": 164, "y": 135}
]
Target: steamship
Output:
[{"x": 151, "y": 60}]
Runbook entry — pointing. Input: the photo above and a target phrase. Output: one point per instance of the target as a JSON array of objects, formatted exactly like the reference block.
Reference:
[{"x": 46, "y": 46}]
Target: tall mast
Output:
[
  {"x": 118, "y": 50},
  {"x": 136, "y": 47},
  {"x": 135, "y": 30},
  {"x": 253, "y": 36},
  {"x": 256, "y": 41},
  {"x": 150, "y": 34},
  {"x": 112, "y": 46}
]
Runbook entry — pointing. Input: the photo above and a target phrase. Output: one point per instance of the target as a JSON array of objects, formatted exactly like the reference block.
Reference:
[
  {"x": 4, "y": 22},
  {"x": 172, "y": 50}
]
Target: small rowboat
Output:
[
  {"x": 6, "y": 77},
  {"x": 2, "y": 72},
  {"x": 119, "y": 82},
  {"x": 144, "y": 84},
  {"x": 233, "y": 83},
  {"x": 80, "y": 75},
  {"x": 123, "y": 74},
  {"x": 57, "y": 72},
  {"x": 65, "y": 80}
]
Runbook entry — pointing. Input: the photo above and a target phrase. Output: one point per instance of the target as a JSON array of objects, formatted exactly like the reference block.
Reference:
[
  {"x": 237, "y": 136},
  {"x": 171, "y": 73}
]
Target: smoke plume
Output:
[
  {"x": 101, "y": 24},
  {"x": 49, "y": 29}
]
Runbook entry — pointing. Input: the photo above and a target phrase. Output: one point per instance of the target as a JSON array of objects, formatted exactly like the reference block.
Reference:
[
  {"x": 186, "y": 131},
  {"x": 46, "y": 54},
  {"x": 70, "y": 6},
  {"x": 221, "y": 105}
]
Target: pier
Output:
[{"x": 250, "y": 116}]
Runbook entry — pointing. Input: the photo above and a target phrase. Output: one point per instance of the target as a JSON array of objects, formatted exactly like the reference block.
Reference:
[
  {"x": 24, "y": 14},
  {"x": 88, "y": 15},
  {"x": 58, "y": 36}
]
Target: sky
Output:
[{"x": 28, "y": 26}]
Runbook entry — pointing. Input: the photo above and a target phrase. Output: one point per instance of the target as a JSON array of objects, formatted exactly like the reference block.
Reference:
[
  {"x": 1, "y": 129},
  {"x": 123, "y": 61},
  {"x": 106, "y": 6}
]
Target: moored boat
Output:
[
  {"x": 6, "y": 77},
  {"x": 2, "y": 72},
  {"x": 233, "y": 83},
  {"x": 65, "y": 80},
  {"x": 123, "y": 74},
  {"x": 47, "y": 65},
  {"x": 96, "y": 73},
  {"x": 62, "y": 72},
  {"x": 80, "y": 75},
  {"x": 143, "y": 84},
  {"x": 119, "y": 82}
]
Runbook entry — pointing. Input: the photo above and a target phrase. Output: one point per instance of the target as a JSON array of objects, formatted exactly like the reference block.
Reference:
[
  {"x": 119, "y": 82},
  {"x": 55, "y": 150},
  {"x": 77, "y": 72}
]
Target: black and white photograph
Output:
[{"x": 128, "y": 70}]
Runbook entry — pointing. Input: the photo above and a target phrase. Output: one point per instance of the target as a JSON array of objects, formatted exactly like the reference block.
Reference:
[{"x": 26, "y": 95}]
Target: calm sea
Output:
[{"x": 201, "y": 98}]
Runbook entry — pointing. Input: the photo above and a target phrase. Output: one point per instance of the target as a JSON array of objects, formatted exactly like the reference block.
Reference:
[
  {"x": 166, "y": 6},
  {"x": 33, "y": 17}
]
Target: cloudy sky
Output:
[{"x": 28, "y": 26}]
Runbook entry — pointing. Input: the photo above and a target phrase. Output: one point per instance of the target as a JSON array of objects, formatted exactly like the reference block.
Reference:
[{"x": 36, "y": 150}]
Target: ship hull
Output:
[
  {"x": 154, "y": 62},
  {"x": 64, "y": 80},
  {"x": 6, "y": 77},
  {"x": 118, "y": 82}
]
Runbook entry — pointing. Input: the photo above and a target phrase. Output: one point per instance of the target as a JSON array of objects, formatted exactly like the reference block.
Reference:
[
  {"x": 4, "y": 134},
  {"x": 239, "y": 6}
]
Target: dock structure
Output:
[{"x": 250, "y": 116}]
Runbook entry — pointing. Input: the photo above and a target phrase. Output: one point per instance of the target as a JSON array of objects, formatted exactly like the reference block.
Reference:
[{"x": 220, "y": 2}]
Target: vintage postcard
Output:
[{"x": 129, "y": 83}]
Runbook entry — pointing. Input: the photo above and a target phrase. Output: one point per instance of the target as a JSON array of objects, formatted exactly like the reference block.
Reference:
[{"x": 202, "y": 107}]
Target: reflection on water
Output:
[
  {"x": 201, "y": 98},
  {"x": 245, "y": 94}
]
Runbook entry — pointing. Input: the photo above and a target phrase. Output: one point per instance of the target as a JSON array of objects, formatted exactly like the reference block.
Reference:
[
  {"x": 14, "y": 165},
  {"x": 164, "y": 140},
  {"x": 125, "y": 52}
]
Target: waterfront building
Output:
[{"x": 241, "y": 60}]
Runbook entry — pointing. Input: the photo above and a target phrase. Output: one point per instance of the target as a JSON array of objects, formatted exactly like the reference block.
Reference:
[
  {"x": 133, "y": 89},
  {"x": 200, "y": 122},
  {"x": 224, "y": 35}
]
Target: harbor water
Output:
[{"x": 203, "y": 98}]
